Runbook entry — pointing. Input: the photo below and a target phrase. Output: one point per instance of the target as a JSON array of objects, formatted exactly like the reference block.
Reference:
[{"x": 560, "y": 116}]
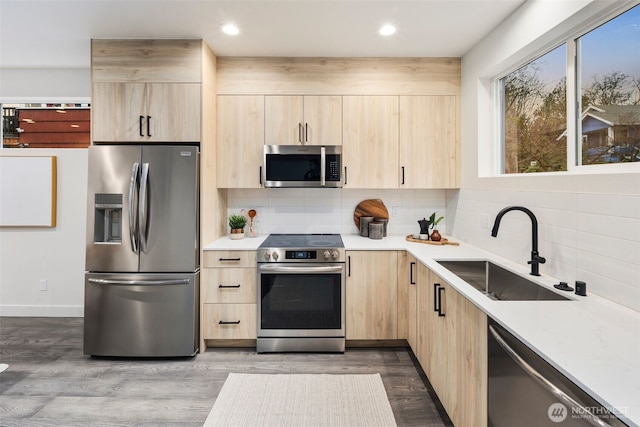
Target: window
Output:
[
  {"x": 39, "y": 125},
  {"x": 534, "y": 102},
  {"x": 535, "y": 112}
]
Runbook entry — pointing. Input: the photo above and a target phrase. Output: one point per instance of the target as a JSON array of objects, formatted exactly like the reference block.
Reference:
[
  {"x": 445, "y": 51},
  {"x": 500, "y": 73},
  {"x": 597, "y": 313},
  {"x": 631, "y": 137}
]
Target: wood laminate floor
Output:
[{"x": 50, "y": 382}]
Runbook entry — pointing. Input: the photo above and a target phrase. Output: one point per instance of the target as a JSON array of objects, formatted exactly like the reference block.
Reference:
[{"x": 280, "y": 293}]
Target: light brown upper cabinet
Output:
[
  {"x": 146, "y": 90},
  {"x": 428, "y": 142},
  {"x": 240, "y": 141},
  {"x": 146, "y": 112},
  {"x": 303, "y": 120},
  {"x": 370, "y": 141}
]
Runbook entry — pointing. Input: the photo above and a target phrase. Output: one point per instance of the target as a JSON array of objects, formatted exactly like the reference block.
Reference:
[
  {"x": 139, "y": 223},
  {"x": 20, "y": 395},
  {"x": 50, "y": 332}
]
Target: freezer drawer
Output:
[{"x": 141, "y": 315}]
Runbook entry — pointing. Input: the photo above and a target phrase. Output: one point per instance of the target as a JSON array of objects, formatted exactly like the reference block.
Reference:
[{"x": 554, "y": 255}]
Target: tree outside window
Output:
[{"x": 534, "y": 102}]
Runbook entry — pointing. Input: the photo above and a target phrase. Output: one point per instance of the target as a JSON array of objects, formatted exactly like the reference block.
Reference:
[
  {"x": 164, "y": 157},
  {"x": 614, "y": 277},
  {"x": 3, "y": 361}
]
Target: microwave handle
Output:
[{"x": 323, "y": 163}]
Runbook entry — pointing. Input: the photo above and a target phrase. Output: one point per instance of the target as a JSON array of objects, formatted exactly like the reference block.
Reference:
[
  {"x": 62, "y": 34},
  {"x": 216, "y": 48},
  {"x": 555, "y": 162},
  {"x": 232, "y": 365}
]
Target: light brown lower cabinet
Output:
[
  {"x": 372, "y": 295},
  {"x": 228, "y": 297},
  {"x": 452, "y": 348},
  {"x": 229, "y": 321}
]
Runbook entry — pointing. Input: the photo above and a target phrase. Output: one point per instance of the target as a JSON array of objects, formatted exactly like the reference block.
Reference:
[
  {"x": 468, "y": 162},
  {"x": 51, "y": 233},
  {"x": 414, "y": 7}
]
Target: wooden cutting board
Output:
[{"x": 370, "y": 207}]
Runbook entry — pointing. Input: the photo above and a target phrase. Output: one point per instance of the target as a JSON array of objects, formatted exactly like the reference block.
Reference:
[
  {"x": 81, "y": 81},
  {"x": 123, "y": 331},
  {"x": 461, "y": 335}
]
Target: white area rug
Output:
[{"x": 296, "y": 400}]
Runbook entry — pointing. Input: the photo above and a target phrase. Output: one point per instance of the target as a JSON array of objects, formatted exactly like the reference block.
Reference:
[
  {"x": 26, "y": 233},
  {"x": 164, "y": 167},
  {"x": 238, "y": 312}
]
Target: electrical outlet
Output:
[
  {"x": 395, "y": 210},
  {"x": 43, "y": 284},
  {"x": 484, "y": 221}
]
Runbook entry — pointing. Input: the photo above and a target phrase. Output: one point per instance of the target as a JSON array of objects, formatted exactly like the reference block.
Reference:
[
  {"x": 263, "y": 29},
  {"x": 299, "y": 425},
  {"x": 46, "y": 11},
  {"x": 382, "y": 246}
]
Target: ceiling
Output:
[{"x": 56, "y": 33}]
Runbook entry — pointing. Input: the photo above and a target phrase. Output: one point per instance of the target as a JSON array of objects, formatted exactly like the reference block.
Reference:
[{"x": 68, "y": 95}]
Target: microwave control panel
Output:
[{"x": 333, "y": 167}]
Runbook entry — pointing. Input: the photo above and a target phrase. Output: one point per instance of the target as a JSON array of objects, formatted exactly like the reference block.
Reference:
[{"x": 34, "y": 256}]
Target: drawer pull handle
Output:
[
  {"x": 222, "y": 322},
  {"x": 229, "y": 259},
  {"x": 221, "y": 286}
]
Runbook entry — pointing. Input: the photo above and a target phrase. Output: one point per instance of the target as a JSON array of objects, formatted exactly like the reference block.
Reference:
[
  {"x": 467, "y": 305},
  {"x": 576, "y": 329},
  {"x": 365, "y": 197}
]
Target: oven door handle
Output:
[{"x": 292, "y": 269}]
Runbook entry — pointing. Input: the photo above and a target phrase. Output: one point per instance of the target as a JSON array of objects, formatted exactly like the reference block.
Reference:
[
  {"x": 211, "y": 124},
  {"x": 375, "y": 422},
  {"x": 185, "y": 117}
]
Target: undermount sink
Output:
[{"x": 499, "y": 284}]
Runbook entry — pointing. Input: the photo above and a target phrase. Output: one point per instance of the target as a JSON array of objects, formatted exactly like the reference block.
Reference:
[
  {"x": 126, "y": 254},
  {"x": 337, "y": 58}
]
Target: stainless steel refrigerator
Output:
[{"x": 142, "y": 281}]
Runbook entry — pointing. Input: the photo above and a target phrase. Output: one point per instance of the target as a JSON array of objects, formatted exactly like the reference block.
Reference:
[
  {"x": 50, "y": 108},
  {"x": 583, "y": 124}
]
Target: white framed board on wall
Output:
[{"x": 28, "y": 191}]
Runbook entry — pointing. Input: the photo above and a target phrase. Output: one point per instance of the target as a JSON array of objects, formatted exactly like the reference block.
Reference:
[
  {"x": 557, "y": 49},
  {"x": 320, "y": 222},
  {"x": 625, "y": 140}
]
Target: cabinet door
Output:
[
  {"x": 433, "y": 341},
  {"x": 322, "y": 120},
  {"x": 370, "y": 140},
  {"x": 371, "y": 297},
  {"x": 138, "y": 60},
  {"x": 469, "y": 362},
  {"x": 173, "y": 112},
  {"x": 284, "y": 120},
  {"x": 407, "y": 299},
  {"x": 428, "y": 142},
  {"x": 146, "y": 112},
  {"x": 240, "y": 141},
  {"x": 115, "y": 111}
]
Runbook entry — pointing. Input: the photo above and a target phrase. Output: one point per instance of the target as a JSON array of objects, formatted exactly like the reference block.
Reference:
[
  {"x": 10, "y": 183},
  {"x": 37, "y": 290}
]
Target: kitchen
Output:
[{"x": 559, "y": 202}]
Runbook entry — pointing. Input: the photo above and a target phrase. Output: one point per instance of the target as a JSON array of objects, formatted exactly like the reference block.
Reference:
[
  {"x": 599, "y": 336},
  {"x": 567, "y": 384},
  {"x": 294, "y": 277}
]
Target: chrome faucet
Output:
[{"x": 536, "y": 259}]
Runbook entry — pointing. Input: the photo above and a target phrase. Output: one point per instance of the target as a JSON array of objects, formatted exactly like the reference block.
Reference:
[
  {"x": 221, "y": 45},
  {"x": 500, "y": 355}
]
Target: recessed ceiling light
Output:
[
  {"x": 230, "y": 29},
  {"x": 387, "y": 30}
]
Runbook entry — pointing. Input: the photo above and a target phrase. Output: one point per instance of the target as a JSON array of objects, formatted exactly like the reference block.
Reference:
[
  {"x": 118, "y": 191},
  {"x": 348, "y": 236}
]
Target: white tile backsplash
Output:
[
  {"x": 319, "y": 210},
  {"x": 590, "y": 237}
]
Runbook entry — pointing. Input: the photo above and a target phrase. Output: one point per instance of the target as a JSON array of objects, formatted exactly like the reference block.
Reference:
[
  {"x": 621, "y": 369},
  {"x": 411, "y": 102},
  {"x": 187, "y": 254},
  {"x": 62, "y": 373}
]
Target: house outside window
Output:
[{"x": 535, "y": 119}]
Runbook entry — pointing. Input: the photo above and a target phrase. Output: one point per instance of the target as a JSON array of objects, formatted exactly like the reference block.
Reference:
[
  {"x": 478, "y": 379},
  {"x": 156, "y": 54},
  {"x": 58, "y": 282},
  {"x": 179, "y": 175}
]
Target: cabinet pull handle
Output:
[
  {"x": 345, "y": 175},
  {"x": 300, "y": 133},
  {"x": 221, "y": 286},
  {"x": 260, "y": 175},
  {"x": 411, "y": 280},
  {"x": 436, "y": 307},
  {"x": 140, "y": 125},
  {"x": 402, "y": 175},
  {"x": 306, "y": 132},
  {"x": 349, "y": 266},
  {"x": 229, "y": 259},
  {"x": 222, "y": 322},
  {"x": 148, "y": 125},
  {"x": 440, "y": 292}
]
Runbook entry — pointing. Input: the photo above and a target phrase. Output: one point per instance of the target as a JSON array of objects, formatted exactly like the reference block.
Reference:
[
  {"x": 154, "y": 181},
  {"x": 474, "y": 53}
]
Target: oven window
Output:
[
  {"x": 298, "y": 167},
  {"x": 300, "y": 301}
]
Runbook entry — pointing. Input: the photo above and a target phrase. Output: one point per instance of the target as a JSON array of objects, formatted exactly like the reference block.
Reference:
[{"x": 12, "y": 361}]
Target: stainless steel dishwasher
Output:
[{"x": 524, "y": 390}]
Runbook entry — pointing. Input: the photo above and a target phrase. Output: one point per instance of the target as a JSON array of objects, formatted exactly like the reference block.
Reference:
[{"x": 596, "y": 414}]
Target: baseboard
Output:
[{"x": 42, "y": 310}]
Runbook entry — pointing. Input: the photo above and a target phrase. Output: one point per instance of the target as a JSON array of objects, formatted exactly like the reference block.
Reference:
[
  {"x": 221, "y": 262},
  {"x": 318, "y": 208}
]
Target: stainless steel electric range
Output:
[{"x": 301, "y": 293}]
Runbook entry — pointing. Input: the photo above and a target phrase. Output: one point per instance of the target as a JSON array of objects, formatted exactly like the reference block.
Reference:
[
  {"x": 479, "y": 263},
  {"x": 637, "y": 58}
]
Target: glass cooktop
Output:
[{"x": 303, "y": 241}]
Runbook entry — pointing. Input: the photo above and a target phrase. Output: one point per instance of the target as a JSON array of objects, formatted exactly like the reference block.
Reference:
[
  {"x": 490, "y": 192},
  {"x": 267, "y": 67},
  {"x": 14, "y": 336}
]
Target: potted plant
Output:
[
  {"x": 237, "y": 223},
  {"x": 433, "y": 222}
]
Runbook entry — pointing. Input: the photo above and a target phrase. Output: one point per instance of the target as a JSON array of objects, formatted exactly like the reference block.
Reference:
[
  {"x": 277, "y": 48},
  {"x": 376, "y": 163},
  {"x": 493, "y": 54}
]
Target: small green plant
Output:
[
  {"x": 433, "y": 222},
  {"x": 237, "y": 221}
]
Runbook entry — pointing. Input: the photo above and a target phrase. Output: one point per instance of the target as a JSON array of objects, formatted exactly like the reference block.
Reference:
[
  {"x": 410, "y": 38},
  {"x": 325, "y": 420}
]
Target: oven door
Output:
[{"x": 301, "y": 300}]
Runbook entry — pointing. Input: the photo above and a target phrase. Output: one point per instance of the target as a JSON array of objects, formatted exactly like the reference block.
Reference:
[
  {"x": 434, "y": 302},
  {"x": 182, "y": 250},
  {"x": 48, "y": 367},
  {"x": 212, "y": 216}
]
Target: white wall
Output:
[
  {"x": 589, "y": 222},
  {"x": 29, "y": 254},
  {"x": 286, "y": 210},
  {"x": 43, "y": 85}
]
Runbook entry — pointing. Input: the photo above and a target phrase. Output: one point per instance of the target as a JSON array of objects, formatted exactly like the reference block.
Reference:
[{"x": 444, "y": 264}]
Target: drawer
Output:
[
  {"x": 229, "y": 285},
  {"x": 241, "y": 321},
  {"x": 229, "y": 259}
]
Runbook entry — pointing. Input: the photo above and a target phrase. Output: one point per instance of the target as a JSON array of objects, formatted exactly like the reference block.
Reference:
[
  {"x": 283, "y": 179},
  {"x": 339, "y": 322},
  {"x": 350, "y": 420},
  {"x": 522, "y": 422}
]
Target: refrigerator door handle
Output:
[
  {"x": 142, "y": 206},
  {"x": 139, "y": 282},
  {"x": 133, "y": 202}
]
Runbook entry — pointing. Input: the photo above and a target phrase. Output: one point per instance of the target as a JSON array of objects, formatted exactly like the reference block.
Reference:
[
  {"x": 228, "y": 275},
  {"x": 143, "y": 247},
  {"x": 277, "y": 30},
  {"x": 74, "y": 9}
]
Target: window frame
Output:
[{"x": 574, "y": 108}]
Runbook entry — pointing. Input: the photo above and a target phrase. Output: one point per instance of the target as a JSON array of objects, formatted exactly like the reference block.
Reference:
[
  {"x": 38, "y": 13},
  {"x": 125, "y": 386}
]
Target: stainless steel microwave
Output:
[{"x": 309, "y": 166}]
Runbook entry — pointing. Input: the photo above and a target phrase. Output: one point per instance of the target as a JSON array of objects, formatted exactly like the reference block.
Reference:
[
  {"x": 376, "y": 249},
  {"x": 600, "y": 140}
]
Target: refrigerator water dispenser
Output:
[{"x": 108, "y": 218}]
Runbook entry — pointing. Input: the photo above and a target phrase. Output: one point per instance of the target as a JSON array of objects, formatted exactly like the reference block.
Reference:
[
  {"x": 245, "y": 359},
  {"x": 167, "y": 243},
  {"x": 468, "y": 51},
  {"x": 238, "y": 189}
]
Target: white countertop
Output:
[{"x": 591, "y": 340}]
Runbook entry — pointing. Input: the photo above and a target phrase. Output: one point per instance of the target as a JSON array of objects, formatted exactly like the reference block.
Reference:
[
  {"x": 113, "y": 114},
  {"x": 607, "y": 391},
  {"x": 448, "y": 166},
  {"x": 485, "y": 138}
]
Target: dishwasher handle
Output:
[{"x": 544, "y": 382}]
